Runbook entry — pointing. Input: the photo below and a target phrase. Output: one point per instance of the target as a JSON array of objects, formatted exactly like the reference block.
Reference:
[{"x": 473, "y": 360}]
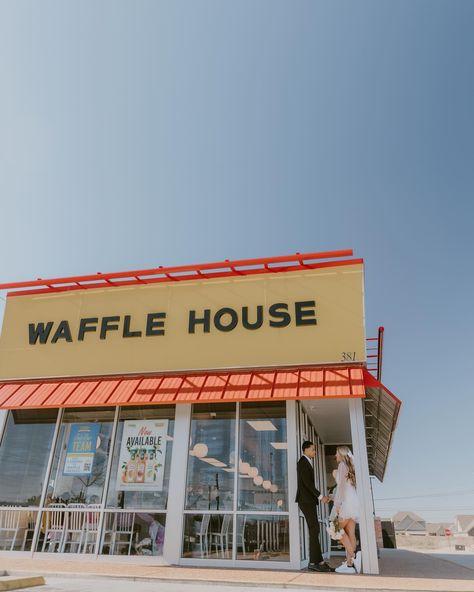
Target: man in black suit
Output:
[{"x": 307, "y": 498}]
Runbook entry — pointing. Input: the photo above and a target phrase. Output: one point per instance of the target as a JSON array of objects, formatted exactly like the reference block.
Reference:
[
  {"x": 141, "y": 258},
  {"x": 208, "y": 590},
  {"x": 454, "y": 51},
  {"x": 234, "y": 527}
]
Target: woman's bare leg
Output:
[
  {"x": 350, "y": 529},
  {"x": 347, "y": 542}
]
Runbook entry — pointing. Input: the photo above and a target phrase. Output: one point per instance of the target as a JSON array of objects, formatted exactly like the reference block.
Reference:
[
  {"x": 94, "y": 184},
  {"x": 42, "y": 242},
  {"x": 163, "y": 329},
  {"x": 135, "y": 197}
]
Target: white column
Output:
[
  {"x": 177, "y": 485},
  {"x": 3, "y": 422},
  {"x": 366, "y": 510},
  {"x": 295, "y": 559}
]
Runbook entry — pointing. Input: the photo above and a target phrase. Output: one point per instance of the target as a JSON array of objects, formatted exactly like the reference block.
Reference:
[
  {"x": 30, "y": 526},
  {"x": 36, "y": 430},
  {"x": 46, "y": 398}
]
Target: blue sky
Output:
[{"x": 136, "y": 134}]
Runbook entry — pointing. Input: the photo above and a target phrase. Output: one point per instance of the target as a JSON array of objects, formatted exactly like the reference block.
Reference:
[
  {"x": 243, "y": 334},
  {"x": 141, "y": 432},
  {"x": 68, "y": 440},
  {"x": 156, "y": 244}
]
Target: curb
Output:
[
  {"x": 14, "y": 582},
  {"x": 230, "y": 583}
]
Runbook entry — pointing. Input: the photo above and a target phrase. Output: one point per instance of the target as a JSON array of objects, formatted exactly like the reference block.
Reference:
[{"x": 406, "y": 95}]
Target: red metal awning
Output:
[
  {"x": 381, "y": 408},
  {"x": 264, "y": 385}
]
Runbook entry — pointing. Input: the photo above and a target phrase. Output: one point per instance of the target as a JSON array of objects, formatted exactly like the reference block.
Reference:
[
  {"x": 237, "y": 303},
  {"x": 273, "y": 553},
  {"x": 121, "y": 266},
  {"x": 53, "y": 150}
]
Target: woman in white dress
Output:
[{"x": 346, "y": 507}]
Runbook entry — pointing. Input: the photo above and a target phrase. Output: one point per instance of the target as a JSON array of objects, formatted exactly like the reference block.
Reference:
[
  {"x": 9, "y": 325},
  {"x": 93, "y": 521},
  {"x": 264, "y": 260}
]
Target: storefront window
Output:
[
  {"x": 208, "y": 536},
  {"x": 263, "y": 537},
  {"x": 139, "y": 482},
  {"x": 24, "y": 454},
  {"x": 133, "y": 533},
  {"x": 142, "y": 458},
  {"x": 80, "y": 459},
  {"x": 70, "y": 520},
  {"x": 263, "y": 458},
  {"x": 211, "y": 460}
]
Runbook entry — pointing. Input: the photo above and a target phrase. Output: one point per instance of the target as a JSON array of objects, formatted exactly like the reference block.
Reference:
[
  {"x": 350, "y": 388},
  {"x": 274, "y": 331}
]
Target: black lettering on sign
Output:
[
  {"x": 232, "y": 324},
  {"x": 62, "y": 332},
  {"x": 278, "y": 311},
  {"x": 245, "y": 318},
  {"x": 85, "y": 327},
  {"x": 108, "y": 324},
  {"x": 126, "y": 328},
  {"x": 154, "y": 326},
  {"x": 305, "y": 313},
  {"x": 205, "y": 321},
  {"x": 39, "y": 331}
]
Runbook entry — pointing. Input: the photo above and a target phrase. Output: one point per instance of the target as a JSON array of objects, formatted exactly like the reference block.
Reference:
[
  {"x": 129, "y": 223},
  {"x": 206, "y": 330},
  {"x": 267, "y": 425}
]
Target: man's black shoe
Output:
[
  {"x": 331, "y": 569},
  {"x": 321, "y": 567}
]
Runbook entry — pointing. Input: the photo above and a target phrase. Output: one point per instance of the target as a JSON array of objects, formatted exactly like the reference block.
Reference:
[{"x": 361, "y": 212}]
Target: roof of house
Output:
[
  {"x": 400, "y": 516},
  {"x": 436, "y": 526},
  {"x": 466, "y": 521}
]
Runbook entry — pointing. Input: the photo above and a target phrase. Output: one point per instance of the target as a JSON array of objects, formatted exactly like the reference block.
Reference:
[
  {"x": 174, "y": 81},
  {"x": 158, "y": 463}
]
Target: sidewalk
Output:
[{"x": 400, "y": 570}]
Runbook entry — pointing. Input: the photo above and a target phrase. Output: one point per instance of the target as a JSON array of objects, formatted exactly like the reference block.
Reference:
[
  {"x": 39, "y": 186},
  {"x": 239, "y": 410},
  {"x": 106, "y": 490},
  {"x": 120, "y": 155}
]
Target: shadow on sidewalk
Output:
[{"x": 412, "y": 564}]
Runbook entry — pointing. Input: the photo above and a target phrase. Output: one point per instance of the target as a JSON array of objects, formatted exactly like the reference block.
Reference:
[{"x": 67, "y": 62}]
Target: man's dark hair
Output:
[{"x": 307, "y": 444}]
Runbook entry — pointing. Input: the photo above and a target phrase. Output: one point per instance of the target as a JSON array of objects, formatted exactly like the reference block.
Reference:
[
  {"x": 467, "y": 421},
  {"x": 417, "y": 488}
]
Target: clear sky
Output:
[{"x": 144, "y": 133}]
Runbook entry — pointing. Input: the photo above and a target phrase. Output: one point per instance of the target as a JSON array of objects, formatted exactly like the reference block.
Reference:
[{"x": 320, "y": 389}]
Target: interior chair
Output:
[
  {"x": 91, "y": 526},
  {"x": 121, "y": 532},
  {"x": 221, "y": 539},
  {"x": 75, "y": 527},
  {"x": 29, "y": 530},
  {"x": 55, "y": 521},
  {"x": 240, "y": 537},
  {"x": 202, "y": 534},
  {"x": 9, "y": 527}
]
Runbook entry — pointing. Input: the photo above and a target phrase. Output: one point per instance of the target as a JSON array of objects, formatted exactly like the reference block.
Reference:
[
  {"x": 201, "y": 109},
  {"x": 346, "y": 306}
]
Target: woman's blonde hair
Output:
[{"x": 346, "y": 456}]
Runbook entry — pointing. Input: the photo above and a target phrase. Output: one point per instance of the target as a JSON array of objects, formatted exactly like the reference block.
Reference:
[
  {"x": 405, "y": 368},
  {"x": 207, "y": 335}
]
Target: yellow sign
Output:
[{"x": 294, "y": 318}]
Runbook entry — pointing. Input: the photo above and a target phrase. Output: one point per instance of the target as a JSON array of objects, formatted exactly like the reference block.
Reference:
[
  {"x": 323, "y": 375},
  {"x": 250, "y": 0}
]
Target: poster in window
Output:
[
  {"x": 142, "y": 455},
  {"x": 81, "y": 449}
]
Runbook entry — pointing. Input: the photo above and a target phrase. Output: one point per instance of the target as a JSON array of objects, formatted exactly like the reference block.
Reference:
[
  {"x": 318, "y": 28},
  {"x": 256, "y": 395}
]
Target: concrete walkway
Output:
[{"x": 400, "y": 570}]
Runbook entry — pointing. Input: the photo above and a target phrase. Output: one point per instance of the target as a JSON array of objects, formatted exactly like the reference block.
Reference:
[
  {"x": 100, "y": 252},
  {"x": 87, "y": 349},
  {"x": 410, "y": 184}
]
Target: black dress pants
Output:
[{"x": 311, "y": 517}]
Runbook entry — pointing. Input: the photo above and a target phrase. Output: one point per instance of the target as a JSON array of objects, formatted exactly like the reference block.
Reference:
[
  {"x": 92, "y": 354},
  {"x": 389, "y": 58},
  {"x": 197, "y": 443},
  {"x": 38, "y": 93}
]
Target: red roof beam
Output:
[{"x": 223, "y": 265}]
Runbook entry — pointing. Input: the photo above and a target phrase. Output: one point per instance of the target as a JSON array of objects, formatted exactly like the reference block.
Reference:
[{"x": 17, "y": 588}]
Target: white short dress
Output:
[{"x": 346, "y": 503}]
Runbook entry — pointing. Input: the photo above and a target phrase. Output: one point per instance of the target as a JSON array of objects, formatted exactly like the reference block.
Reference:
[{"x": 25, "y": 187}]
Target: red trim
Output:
[
  {"x": 371, "y": 382},
  {"x": 297, "y": 262},
  {"x": 254, "y": 385}
]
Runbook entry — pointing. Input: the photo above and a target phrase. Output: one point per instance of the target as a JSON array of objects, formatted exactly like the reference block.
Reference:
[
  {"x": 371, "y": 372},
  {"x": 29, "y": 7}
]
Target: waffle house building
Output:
[{"x": 157, "y": 415}]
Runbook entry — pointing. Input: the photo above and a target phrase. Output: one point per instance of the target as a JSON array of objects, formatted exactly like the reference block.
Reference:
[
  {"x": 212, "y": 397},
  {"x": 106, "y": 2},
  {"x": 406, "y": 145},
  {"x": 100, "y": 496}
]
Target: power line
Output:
[
  {"x": 462, "y": 492},
  {"x": 448, "y": 509}
]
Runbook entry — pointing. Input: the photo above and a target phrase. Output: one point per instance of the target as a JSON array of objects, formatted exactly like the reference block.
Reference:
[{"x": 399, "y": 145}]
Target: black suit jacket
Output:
[{"x": 306, "y": 492}]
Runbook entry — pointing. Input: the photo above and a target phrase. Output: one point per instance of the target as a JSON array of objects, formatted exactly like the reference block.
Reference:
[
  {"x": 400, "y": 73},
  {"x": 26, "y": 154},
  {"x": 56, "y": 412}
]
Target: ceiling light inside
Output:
[
  {"x": 262, "y": 426},
  {"x": 280, "y": 445},
  {"x": 214, "y": 462}
]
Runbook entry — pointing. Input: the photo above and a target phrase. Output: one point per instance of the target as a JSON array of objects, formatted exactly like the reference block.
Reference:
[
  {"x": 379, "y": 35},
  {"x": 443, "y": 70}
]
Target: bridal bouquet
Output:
[{"x": 334, "y": 529}]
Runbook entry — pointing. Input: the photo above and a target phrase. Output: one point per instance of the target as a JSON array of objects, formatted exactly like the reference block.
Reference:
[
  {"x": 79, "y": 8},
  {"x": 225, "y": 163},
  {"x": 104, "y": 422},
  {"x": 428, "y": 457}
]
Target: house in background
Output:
[
  {"x": 409, "y": 523},
  {"x": 439, "y": 528},
  {"x": 464, "y": 525}
]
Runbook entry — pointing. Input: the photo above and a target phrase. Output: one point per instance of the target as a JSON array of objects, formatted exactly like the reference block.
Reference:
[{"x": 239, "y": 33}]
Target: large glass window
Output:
[
  {"x": 263, "y": 537},
  {"x": 24, "y": 454},
  {"x": 210, "y": 483},
  {"x": 211, "y": 461},
  {"x": 70, "y": 520},
  {"x": 263, "y": 457},
  {"x": 208, "y": 536},
  {"x": 142, "y": 458},
  {"x": 139, "y": 482},
  {"x": 80, "y": 458},
  {"x": 258, "y": 474}
]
